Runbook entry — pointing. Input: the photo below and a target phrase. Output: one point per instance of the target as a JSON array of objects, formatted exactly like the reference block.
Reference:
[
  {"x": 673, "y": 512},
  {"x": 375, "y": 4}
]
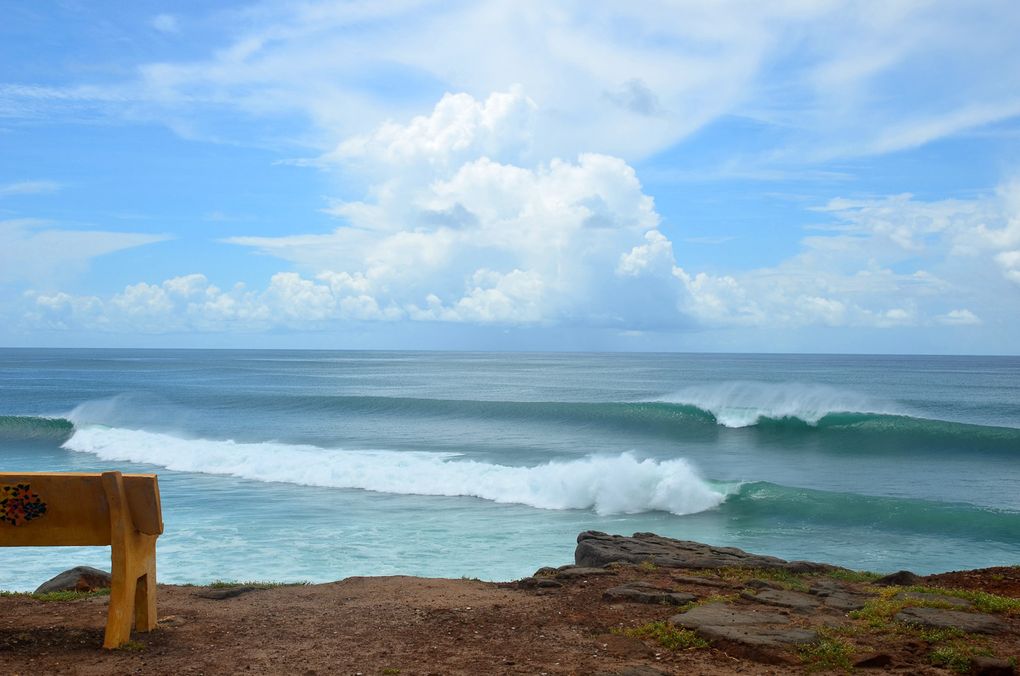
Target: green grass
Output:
[
  {"x": 940, "y": 635},
  {"x": 951, "y": 657},
  {"x": 846, "y": 575},
  {"x": 784, "y": 578},
  {"x": 131, "y": 646},
  {"x": 983, "y": 601},
  {"x": 828, "y": 653},
  {"x": 666, "y": 635},
  {"x": 256, "y": 584},
  {"x": 60, "y": 595}
]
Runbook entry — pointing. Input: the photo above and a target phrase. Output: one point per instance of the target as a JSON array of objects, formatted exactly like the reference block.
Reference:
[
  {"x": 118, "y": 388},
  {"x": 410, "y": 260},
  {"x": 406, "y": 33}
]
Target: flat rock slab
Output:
[
  {"x": 225, "y": 593},
  {"x": 599, "y": 549},
  {"x": 581, "y": 571},
  {"x": 724, "y": 615},
  {"x": 846, "y": 601},
  {"x": 703, "y": 581},
  {"x": 644, "y": 593},
  {"x": 937, "y": 618},
  {"x": 755, "y": 634},
  {"x": 784, "y": 599}
]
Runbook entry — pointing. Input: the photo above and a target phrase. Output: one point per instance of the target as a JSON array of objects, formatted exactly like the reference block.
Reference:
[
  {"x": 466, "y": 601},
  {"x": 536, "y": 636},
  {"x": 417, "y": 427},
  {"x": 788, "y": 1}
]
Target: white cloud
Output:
[
  {"x": 165, "y": 23},
  {"x": 625, "y": 79},
  {"x": 33, "y": 252},
  {"x": 449, "y": 234},
  {"x": 29, "y": 188},
  {"x": 962, "y": 317}
]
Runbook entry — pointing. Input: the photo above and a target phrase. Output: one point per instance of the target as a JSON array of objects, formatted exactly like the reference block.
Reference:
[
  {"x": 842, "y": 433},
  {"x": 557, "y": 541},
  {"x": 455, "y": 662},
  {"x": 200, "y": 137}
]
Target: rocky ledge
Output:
[
  {"x": 772, "y": 611},
  {"x": 600, "y": 549}
]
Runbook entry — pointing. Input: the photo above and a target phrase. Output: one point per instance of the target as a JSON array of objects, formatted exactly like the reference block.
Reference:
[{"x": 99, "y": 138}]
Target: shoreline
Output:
[{"x": 627, "y": 606}]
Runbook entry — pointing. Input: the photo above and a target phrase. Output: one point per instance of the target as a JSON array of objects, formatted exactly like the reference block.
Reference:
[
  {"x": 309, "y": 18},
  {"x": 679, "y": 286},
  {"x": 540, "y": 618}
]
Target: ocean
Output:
[{"x": 318, "y": 465}]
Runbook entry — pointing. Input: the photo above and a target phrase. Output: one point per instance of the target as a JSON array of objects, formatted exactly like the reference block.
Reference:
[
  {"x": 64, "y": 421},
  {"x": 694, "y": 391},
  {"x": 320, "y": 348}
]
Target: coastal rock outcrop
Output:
[
  {"x": 595, "y": 549},
  {"x": 79, "y": 578}
]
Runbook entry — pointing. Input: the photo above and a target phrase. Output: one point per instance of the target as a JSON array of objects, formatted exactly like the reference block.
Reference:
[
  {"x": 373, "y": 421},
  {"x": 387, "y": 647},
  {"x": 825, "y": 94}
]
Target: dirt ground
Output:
[{"x": 405, "y": 625}]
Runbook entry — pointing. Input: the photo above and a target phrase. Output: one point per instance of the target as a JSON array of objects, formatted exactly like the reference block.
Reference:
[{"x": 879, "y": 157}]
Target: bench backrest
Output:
[{"x": 46, "y": 509}]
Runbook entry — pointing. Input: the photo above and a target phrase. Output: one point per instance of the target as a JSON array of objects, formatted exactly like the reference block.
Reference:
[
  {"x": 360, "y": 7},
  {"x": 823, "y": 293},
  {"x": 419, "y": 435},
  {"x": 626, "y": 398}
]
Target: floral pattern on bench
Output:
[{"x": 19, "y": 505}]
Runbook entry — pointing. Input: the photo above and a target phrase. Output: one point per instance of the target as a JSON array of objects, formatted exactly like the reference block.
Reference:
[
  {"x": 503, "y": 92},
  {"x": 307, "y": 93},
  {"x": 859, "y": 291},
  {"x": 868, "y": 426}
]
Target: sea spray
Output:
[
  {"x": 745, "y": 403},
  {"x": 620, "y": 484}
]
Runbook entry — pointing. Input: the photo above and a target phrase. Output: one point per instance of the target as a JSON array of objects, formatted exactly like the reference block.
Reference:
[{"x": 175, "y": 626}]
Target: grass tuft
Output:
[
  {"x": 60, "y": 595},
  {"x": 846, "y": 575},
  {"x": 828, "y": 654},
  {"x": 786, "y": 579},
  {"x": 951, "y": 657},
  {"x": 668, "y": 636},
  {"x": 256, "y": 584},
  {"x": 983, "y": 601}
]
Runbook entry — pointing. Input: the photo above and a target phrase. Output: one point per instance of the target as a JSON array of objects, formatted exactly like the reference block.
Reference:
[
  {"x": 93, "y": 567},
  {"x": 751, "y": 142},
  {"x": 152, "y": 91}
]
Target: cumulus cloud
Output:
[{"x": 449, "y": 233}]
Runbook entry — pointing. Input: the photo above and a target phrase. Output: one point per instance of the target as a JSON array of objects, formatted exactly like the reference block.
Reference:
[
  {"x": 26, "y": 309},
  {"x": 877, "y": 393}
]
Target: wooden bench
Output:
[{"x": 121, "y": 510}]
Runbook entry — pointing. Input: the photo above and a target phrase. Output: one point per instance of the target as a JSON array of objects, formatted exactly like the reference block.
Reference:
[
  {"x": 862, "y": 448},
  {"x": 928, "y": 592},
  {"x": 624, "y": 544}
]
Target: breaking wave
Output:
[{"x": 620, "y": 484}]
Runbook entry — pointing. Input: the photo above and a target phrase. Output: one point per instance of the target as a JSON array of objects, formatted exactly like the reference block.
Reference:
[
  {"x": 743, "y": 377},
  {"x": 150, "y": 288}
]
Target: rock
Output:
[
  {"x": 903, "y": 578},
  {"x": 991, "y": 666},
  {"x": 546, "y": 571},
  {"x": 846, "y": 601},
  {"x": 784, "y": 599},
  {"x": 225, "y": 593},
  {"x": 80, "y": 578},
  {"x": 537, "y": 583},
  {"x": 753, "y": 633},
  {"x": 874, "y": 661},
  {"x": 755, "y": 583},
  {"x": 599, "y": 549},
  {"x": 703, "y": 581},
  {"x": 937, "y": 598},
  {"x": 976, "y": 623},
  {"x": 573, "y": 572},
  {"x": 639, "y": 592}
]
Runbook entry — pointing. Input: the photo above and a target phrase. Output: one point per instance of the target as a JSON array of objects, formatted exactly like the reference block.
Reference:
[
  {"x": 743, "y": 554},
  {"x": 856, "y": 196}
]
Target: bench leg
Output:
[
  {"x": 133, "y": 571},
  {"x": 145, "y": 599},
  {"x": 118, "y": 621}
]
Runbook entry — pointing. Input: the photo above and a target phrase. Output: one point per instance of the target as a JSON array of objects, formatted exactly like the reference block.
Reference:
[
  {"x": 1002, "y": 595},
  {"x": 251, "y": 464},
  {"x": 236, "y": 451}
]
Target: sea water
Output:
[{"x": 310, "y": 465}]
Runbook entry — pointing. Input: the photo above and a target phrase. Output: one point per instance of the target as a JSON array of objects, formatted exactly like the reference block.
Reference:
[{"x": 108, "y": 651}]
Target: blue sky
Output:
[{"x": 788, "y": 176}]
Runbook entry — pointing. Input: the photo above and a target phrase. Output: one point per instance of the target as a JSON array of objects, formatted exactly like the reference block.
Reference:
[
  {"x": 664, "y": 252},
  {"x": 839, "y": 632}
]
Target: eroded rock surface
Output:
[
  {"x": 640, "y": 592},
  {"x": 599, "y": 549},
  {"x": 937, "y": 618},
  {"x": 80, "y": 578}
]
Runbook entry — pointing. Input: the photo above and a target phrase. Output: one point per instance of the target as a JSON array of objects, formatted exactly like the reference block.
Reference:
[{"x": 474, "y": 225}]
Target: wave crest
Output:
[
  {"x": 744, "y": 403},
  {"x": 620, "y": 484}
]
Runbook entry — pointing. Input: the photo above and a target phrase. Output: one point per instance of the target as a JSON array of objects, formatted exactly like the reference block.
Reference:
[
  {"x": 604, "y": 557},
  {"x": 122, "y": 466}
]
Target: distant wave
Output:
[
  {"x": 742, "y": 403},
  {"x": 609, "y": 485},
  {"x": 35, "y": 427},
  {"x": 760, "y": 501}
]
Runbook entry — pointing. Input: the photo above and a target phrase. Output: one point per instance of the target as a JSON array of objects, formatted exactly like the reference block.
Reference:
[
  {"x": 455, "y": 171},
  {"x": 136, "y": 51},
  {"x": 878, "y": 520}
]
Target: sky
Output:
[{"x": 791, "y": 176}]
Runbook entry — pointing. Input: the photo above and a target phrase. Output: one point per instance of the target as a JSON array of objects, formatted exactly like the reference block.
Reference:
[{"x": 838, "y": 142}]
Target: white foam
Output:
[
  {"x": 620, "y": 484},
  {"x": 743, "y": 403}
]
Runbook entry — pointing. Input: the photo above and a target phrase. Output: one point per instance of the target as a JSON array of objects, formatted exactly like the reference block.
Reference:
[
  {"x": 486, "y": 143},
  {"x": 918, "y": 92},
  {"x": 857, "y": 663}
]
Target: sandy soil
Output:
[{"x": 391, "y": 625}]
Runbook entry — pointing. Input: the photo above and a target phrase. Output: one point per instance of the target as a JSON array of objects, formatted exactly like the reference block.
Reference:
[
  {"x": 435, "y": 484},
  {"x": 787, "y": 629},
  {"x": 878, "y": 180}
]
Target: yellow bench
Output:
[{"x": 121, "y": 510}]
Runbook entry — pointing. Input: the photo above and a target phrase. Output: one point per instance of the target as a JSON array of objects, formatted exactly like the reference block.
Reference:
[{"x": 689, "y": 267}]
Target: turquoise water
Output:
[{"x": 302, "y": 465}]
